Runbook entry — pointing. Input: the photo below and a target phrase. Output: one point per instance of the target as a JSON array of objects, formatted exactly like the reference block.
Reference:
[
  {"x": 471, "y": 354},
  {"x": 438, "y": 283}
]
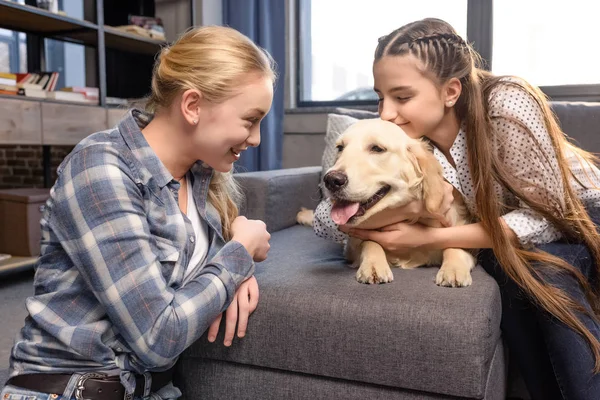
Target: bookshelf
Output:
[
  {"x": 124, "y": 41},
  {"x": 29, "y": 19},
  {"x": 30, "y": 121},
  {"x": 44, "y": 24}
]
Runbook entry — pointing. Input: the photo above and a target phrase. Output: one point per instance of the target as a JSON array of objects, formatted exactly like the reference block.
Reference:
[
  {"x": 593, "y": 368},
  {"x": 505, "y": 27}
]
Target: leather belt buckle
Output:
[{"x": 80, "y": 385}]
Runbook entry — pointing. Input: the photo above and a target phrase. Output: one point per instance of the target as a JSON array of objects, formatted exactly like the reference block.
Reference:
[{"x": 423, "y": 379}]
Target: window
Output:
[
  {"x": 13, "y": 51},
  {"x": 67, "y": 58},
  {"x": 335, "y": 59},
  {"x": 550, "y": 43},
  {"x": 547, "y": 42}
]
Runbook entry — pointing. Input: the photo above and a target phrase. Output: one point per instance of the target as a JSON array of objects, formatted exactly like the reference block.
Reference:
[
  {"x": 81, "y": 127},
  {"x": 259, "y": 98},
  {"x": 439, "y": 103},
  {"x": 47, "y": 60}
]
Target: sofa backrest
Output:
[{"x": 581, "y": 121}]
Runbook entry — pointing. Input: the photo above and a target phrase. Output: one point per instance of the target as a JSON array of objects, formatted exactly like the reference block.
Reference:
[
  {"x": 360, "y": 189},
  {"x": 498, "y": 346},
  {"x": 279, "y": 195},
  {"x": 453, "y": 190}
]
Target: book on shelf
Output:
[
  {"x": 80, "y": 94},
  {"x": 8, "y": 83},
  {"x": 8, "y": 79},
  {"x": 32, "y": 92},
  {"x": 139, "y": 31},
  {"x": 150, "y": 27},
  {"x": 36, "y": 84},
  {"x": 75, "y": 97},
  {"x": 42, "y": 85},
  {"x": 38, "y": 80},
  {"x": 89, "y": 92}
]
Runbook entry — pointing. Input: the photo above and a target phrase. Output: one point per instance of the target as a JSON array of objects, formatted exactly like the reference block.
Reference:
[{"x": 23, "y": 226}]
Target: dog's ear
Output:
[{"x": 432, "y": 182}]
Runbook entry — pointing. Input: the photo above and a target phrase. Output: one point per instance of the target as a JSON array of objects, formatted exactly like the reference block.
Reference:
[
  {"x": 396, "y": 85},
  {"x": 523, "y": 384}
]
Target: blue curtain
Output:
[{"x": 263, "y": 21}]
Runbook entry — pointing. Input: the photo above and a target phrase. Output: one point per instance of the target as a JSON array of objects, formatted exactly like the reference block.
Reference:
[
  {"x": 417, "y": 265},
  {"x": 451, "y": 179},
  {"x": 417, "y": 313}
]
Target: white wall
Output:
[
  {"x": 175, "y": 15},
  {"x": 304, "y": 139},
  {"x": 209, "y": 12}
]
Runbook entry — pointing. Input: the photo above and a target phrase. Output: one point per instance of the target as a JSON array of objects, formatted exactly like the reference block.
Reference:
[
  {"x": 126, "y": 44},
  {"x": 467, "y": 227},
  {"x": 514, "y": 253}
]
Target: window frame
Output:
[{"x": 479, "y": 34}]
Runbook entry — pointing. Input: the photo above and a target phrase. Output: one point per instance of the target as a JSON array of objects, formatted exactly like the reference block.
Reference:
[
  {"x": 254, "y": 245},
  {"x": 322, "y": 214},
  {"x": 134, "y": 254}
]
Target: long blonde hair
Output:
[
  {"x": 213, "y": 60},
  {"x": 445, "y": 55}
]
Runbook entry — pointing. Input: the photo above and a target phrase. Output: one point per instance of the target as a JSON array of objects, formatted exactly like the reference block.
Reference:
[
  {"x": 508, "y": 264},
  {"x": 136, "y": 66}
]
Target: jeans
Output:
[
  {"x": 555, "y": 362},
  {"x": 15, "y": 393},
  {"x": 10, "y": 392}
]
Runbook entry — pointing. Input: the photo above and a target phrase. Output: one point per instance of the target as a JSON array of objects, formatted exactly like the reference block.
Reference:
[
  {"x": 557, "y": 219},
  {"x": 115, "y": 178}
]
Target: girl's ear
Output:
[
  {"x": 190, "y": 105},
  {"x": 451, "y": 91}
]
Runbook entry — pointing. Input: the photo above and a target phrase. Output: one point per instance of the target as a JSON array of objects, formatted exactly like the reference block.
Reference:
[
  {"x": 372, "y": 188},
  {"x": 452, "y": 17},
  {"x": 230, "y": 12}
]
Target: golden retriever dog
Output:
[{"x": 378, "y": 167}]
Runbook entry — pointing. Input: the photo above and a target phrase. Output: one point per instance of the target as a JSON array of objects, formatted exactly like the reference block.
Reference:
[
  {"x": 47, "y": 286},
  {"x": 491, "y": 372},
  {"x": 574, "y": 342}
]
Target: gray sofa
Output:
[{"x": 318, "y": 334}]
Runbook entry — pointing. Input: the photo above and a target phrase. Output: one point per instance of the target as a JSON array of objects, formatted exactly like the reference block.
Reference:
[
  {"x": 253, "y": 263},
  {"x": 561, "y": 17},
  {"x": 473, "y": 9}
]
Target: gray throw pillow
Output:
[
  {"x": 355, "y": 113},
  {"x": 336, "y": 124}
]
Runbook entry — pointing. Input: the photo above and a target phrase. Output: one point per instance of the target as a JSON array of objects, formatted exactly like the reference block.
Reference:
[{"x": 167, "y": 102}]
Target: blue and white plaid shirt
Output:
[{"x": 110, "y": 293}]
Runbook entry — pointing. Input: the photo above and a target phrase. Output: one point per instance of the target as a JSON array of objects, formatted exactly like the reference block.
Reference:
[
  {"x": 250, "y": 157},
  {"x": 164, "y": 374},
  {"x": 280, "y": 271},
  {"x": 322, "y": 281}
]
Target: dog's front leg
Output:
[
  {"x": 456, "y": 268},
  {"x": 374, "y": 267}
]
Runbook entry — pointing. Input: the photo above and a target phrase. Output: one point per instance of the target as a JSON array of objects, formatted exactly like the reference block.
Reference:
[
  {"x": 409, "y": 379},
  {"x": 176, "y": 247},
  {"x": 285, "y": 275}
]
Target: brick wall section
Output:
[{"x": 21, "y": 166}]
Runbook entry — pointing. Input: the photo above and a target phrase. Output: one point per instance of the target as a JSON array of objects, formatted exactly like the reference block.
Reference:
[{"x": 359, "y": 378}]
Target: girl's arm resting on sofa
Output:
[
  {"x": 471, "y": 236},
  {"x": 400, "y": 237}
]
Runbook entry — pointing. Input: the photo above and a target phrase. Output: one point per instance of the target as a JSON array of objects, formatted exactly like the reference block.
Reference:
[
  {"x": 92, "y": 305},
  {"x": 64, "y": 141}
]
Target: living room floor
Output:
[{"x": 14, "y": 289}]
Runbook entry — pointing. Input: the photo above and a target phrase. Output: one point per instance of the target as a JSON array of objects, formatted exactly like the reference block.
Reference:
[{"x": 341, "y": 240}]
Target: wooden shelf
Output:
[
  {"x": 125, "y": 41},
  {"x": 16, "y": 264},
  {"x": 39, "y": 100},
  {"x": 45, "y": 122},
  {"x": 23, "y": 18}
]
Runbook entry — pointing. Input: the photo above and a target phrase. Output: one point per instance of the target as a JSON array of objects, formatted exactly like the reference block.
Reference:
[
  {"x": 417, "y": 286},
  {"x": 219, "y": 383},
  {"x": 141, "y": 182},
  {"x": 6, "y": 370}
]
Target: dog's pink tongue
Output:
[{"x": 340, "y": 214}]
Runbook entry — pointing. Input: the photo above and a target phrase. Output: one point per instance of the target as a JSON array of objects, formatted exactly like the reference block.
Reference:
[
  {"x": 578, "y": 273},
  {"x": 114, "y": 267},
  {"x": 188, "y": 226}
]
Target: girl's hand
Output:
[
  {"x": 244, "y": 303},
  {"x": 399, "y": 238}
]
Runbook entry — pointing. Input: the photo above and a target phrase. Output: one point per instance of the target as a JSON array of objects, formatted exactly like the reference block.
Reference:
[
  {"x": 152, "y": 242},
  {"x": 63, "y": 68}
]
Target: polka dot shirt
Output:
[{"x": 529, "y": 158}]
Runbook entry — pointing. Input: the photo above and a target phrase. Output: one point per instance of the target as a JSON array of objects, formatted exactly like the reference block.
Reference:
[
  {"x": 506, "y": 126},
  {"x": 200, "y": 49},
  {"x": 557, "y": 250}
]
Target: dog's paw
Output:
[
  {"x": 454, "y": 276},
  {"x": 370, "y": 272},
  {"x": 305, "y": 217}
]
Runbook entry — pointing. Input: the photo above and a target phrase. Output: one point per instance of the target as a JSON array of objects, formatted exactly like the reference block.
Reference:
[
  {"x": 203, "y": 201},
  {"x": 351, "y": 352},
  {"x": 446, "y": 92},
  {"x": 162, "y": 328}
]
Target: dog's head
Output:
[{"x": 379, "y": 166}]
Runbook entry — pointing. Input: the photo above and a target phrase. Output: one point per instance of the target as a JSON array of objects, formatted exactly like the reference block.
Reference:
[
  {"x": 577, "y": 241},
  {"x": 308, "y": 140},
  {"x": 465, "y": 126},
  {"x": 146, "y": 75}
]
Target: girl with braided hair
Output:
[{"x": 533, "y": 194}]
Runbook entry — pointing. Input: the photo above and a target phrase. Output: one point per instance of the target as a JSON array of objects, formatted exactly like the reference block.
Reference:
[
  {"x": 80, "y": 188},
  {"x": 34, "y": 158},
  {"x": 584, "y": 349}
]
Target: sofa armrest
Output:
[{"x": 276, "y": 196}]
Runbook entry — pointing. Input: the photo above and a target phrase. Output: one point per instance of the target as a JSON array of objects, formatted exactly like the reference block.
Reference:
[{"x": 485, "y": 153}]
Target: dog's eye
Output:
[
  {"x": 376, "y": 149},
  {"x": 339, "y": 148}
]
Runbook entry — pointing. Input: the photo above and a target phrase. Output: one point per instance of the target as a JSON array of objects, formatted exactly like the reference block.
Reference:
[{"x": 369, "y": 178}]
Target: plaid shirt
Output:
[{"x": 110, "y": 292}]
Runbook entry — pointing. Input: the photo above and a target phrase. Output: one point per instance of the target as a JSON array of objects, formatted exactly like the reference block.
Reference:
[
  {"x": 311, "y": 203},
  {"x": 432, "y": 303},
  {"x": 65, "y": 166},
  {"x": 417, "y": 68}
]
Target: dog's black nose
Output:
[{"x": 335, "y": 180}]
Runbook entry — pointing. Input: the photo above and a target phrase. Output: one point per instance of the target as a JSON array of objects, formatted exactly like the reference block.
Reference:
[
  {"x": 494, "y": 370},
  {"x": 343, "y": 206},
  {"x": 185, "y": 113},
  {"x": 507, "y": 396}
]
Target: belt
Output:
[{"x": 90, "y": 386}]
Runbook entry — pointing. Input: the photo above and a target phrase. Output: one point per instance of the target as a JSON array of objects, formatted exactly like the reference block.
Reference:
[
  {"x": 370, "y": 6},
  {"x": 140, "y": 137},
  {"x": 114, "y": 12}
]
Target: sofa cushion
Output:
[
  {"x": 315, "y": 318},
  {"x": 580, "y": 121},
  {"x": 276, "y": 196}
]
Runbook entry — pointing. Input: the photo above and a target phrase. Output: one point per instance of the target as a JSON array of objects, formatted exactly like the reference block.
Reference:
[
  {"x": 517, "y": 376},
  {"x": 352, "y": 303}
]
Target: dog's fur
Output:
[{"x": 376, "y": 154}]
